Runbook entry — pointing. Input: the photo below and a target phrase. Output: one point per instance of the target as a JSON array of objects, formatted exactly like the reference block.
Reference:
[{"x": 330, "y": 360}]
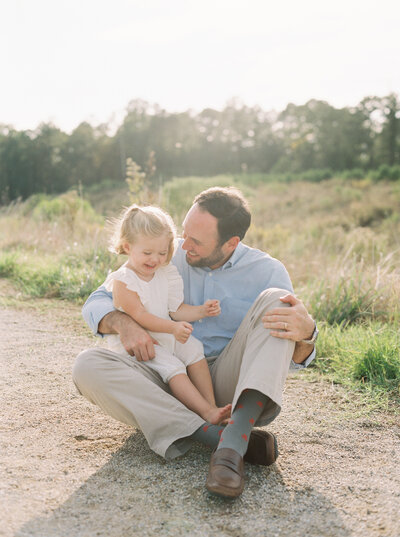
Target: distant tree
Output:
[
  {"x": 17, "y": 175},
  {"x": 391, "y": 130},
  {"x": 382, "y": 117},
  {"x": 236, "y": 139},
  {"x": 317, "y": 135},
  {"x": 50, "y": 172}
]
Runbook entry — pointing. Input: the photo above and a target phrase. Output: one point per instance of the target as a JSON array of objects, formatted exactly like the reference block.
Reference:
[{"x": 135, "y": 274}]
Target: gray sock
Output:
[
  {"x": 247, "y": 411},
  {"x": 208, "y": 434}
]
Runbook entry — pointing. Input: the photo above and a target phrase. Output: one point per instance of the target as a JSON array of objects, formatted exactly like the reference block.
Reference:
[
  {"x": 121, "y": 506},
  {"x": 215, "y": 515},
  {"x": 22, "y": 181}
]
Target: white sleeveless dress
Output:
[{"x": 162, "y": 294}]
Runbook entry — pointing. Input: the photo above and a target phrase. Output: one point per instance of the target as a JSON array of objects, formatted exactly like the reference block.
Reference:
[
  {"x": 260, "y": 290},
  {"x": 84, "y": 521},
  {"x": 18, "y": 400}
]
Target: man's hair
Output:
[{"x": 229, "y": 207}]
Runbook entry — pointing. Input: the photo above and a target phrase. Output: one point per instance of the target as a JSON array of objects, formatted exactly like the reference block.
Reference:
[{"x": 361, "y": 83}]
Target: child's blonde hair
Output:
[{"x": 136, "y": 221}]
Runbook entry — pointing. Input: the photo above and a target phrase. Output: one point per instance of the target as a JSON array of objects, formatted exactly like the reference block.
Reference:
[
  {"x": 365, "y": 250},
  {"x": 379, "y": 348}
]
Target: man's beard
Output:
[{"x": 215, "y": 258}]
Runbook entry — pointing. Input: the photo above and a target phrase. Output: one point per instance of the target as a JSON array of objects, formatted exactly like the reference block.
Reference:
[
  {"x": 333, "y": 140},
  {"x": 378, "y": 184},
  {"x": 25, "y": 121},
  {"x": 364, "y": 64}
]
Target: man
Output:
[{"x": 261, "y": 331}]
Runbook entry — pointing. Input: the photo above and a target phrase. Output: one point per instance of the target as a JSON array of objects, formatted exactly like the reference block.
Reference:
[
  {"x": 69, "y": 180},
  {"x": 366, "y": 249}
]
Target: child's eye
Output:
[
  {"x": 147, "y": 253},
  {"x": 163, "y": 253}
]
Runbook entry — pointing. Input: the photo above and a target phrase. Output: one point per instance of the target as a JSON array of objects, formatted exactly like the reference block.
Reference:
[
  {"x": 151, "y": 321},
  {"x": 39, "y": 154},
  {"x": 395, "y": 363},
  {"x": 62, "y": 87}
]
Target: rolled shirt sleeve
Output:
[{"x": 98, "y": 304}]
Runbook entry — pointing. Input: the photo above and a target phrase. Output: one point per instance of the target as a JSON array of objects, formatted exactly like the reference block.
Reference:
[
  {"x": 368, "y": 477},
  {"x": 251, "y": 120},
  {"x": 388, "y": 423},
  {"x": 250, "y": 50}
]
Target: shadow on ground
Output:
[{"x": 138, "y": 493}]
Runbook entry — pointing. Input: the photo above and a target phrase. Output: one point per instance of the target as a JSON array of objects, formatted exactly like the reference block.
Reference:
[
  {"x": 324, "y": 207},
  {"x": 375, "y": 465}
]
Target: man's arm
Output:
[
  {"x": 293, "y": 323},
  {"x": 102, "y": 318}
]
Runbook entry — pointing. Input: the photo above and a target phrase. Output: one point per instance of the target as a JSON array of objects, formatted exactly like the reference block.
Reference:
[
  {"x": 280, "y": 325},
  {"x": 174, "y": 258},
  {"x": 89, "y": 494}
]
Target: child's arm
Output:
[
  {"x": 131, "y": 304},
  {"x": 185, "y": 312}
]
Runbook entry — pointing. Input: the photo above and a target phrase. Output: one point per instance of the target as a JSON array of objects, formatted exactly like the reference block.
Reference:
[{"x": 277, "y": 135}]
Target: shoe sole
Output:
[{"x": 223, "y": 492}]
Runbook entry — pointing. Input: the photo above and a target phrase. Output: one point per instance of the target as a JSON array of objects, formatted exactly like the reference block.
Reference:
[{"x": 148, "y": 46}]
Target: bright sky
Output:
[{"x": 69, "y": 61}]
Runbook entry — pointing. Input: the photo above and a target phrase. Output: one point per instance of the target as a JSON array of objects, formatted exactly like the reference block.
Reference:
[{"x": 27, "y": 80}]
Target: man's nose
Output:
[{"x": 186, "y": 244}]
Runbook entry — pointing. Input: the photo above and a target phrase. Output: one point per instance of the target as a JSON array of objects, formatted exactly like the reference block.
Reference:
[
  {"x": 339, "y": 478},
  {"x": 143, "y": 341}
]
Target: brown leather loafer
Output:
[
  {"x": 226, "y": 474},
  {"x": 263, "y": 448}
]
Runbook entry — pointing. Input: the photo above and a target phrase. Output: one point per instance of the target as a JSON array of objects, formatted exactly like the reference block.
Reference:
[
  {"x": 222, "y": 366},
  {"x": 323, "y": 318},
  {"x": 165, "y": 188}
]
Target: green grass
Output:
[
  {"x": 363, "y": 357},
  {"x": 68, "y": 277}
]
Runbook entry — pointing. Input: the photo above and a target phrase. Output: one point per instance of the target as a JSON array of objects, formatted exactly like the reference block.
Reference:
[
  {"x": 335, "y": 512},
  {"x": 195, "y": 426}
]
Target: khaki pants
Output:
[{"x": 131, "y": 392}]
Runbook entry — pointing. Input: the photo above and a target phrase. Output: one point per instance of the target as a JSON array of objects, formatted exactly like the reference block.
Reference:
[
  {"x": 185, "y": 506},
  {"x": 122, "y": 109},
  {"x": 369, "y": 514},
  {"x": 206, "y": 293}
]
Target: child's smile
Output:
[{"x": 147, "y": 254}]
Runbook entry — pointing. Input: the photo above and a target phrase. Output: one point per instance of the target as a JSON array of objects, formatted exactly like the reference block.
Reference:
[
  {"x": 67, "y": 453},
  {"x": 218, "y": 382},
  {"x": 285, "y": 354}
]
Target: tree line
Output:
[{"x": 236, "y": 139}]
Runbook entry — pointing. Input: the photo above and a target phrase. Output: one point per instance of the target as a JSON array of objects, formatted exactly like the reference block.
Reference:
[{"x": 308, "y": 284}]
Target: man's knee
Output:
[
  {"x": 266, "y": 301},
  {"x": 83, "y": 370},
  {"x": 270, "y": 298}
]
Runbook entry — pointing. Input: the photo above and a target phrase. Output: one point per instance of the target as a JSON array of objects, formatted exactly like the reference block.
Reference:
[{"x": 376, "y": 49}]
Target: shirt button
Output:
[
  {"x": 200, "y": 320},
  {"x": 210, "y": 274}
]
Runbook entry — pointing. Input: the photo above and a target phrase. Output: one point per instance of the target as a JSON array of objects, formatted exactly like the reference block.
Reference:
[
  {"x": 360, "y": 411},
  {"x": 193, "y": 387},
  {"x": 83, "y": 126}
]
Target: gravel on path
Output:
[{"x": 69, "y": 470}]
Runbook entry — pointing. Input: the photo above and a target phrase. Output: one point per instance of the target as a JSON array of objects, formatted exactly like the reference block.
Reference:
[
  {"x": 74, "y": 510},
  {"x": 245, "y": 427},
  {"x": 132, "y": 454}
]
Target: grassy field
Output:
[{"x": 339, "y": 239}]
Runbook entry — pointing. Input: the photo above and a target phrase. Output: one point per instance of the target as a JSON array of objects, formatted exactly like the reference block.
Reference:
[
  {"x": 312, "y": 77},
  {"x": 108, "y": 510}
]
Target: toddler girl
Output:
[{"x": 149, "y": 288}]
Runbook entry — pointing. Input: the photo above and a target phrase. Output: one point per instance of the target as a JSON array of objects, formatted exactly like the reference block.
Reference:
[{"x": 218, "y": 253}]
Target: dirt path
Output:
[{"x": 68, "y": 470}]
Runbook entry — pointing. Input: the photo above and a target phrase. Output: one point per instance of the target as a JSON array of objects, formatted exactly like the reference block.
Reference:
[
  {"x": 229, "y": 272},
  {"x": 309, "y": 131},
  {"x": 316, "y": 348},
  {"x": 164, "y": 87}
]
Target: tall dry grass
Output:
[{"x": 340, "y": 241}]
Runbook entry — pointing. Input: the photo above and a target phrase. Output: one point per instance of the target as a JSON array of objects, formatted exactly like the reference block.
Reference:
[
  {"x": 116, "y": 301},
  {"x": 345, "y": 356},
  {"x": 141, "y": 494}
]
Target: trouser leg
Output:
[
  {"x": 254, "y": 360},
  {"x": 134, "y": 394}
]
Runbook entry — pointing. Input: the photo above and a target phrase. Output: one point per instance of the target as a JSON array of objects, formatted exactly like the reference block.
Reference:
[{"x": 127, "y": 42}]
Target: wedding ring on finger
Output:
[{"x": 285, "y": 325}]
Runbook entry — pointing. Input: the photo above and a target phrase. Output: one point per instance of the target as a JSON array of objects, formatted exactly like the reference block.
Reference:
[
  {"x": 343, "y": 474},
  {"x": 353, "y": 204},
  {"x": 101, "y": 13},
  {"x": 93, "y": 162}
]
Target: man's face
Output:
[{"x": 201, "y": 241}]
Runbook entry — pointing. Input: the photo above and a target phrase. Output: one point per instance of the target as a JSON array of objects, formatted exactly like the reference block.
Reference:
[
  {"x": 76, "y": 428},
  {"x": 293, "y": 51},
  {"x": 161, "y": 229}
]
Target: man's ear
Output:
[{"x": 232, "y": 243}]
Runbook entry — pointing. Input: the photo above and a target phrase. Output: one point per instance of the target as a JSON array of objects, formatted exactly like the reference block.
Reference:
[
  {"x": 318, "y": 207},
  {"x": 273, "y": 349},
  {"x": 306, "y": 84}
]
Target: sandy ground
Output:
[{"x": 69, "y": 470}]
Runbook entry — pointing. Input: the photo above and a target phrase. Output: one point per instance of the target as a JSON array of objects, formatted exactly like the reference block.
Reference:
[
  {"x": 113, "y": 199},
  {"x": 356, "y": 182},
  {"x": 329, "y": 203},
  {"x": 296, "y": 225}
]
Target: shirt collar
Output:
[{"x": 237, "y": 254}]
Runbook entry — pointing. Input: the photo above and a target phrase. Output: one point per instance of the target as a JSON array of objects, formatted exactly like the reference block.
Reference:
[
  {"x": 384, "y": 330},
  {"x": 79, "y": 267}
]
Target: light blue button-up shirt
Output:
[{"x": 236, "y": 285}]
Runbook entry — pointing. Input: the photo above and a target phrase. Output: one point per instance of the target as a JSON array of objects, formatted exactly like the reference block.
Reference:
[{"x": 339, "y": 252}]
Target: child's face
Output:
[{"x": 147, "y": 254}]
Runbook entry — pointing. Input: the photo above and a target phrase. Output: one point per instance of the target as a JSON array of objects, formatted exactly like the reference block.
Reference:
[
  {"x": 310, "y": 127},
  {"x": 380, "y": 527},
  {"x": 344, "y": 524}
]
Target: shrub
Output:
[
  {"x": 315, "y": 176},
  {"x": 355, "y": 173},
  {"x": 31, "y": 203},
  {"x": 68, "y": 208},
  {"x": 385, "y": 173},
  {"x": 394, "y": 173},
  {"x": 104, "y": 185}
]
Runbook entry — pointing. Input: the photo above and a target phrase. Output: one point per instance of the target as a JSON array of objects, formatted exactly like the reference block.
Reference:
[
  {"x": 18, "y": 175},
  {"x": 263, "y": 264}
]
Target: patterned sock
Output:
[
  {"x": 247, "y": 411},
  {"x": 208, "y": 434}
]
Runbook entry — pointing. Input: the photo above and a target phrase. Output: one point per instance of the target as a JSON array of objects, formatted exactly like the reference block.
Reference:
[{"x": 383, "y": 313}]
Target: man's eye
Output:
[{"x": 147, "y": 253}]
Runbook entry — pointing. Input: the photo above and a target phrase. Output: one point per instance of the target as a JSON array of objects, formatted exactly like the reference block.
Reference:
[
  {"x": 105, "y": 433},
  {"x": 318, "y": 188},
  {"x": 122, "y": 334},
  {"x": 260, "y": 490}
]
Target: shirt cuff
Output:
[{"x": 306, "y": 362}]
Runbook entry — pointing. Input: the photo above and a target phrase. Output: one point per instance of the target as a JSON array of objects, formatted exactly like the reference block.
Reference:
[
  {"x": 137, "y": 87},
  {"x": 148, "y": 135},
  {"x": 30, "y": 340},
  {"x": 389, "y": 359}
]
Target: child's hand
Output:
[
  {"x": 211, "y": 308},
  {"x": 182, "y": 331}
]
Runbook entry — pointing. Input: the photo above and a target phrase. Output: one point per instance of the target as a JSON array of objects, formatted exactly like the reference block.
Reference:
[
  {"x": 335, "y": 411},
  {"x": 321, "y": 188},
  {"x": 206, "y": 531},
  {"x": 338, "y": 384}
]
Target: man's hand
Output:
[
  {"x": 182, "y": 331},
  {"x": 293, "y": 323},
  {"x": 138, "y": 343},
  {"x": 134, "y": 338}
]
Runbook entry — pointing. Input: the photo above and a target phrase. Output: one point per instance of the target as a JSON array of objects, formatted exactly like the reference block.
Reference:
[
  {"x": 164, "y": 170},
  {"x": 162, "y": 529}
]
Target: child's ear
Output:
[{"x": 126, "y": 247}]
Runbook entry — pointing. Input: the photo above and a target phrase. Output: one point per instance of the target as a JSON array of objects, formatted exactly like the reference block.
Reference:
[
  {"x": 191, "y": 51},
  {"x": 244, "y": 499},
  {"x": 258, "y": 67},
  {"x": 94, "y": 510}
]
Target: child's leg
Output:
[
  {"x": 189, "y": 395},
  {"x": 192, "y": 355},
  {"x": 199, "y": 374}
]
